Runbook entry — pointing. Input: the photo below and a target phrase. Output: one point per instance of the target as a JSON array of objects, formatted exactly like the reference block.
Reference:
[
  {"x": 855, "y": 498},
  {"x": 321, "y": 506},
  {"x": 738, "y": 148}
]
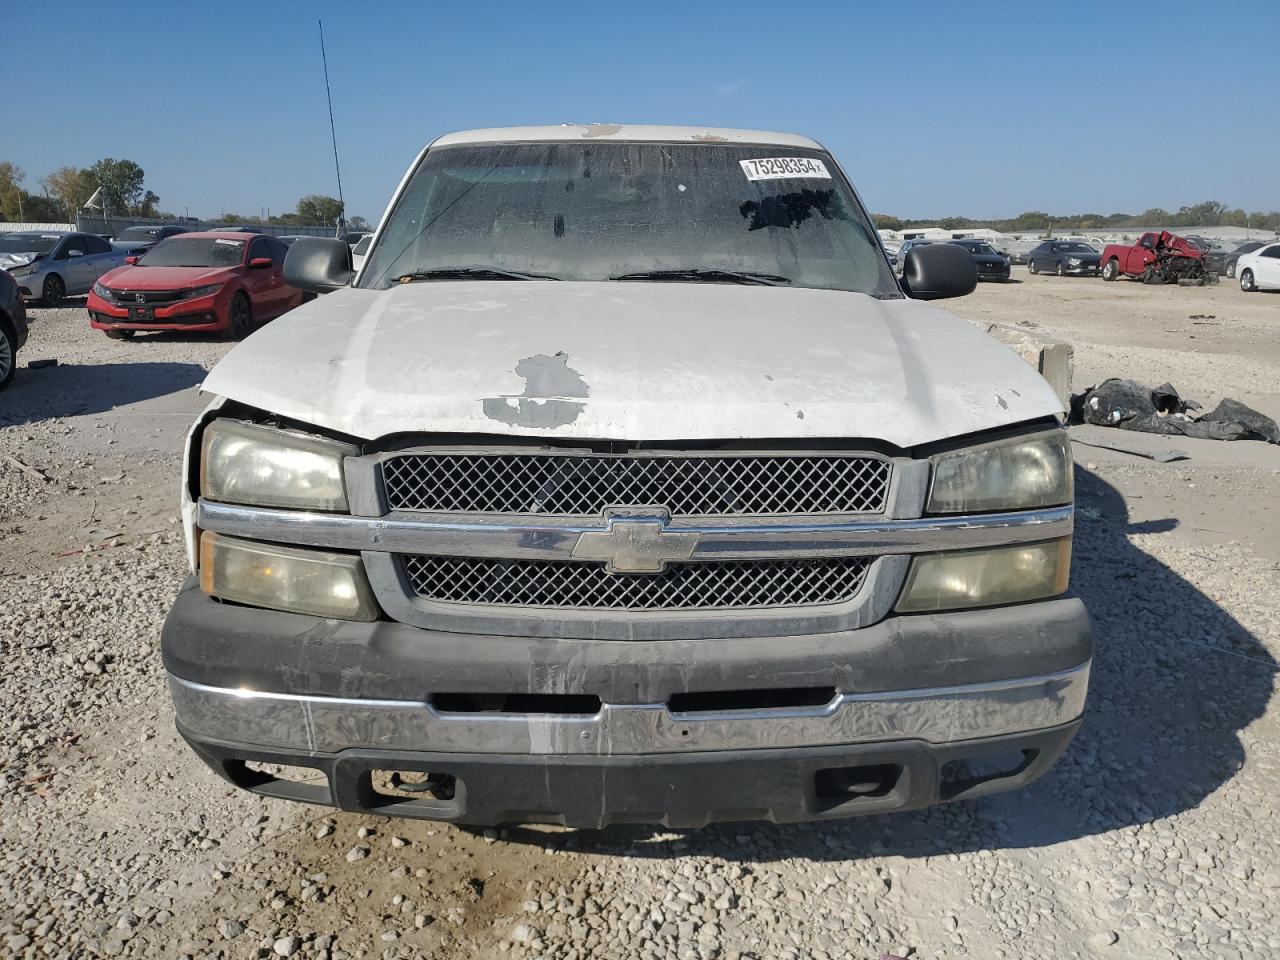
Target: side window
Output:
[
  {"x": 1272, "y": 252},
  {"x": 259, "y": 248},
  {"x": 97, "y": 245},
  {"x": 75, "y": 243},
  {"x": 1148, "y": 241},
  {"x": 278, "y": 250}
]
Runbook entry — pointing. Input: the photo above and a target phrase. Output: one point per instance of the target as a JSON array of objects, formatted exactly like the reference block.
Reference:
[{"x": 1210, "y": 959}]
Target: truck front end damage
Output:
[{"x": 501, "y": 632}]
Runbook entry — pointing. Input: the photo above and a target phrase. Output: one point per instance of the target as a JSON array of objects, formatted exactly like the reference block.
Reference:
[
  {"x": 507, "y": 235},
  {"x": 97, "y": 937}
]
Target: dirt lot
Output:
[{"x": 1156, "y": 836}]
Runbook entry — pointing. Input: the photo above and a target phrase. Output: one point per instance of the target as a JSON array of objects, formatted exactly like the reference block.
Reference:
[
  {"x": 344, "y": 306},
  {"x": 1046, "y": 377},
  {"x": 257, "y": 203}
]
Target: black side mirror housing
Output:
[
  {"x": 318, "y": 265},
  {"x": 938, "y": 271}
]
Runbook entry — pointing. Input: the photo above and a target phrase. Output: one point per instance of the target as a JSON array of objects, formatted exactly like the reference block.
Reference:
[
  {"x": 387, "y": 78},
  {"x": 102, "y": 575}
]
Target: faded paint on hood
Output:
[
  {"x": 10, "y": 260},
  {"x": 631, "y": 361}
]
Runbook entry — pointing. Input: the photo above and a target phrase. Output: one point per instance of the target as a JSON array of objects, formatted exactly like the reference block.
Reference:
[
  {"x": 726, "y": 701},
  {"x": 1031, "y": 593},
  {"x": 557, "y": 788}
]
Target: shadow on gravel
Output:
[
  {"x": 1175, "y": 678},
  {"x": 72, "y": 389}
]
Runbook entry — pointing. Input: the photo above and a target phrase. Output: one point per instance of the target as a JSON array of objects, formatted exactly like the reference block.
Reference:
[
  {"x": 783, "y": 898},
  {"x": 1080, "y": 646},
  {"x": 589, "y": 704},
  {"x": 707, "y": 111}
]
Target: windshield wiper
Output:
[
  {"x": 470, "y": 273},
  {"x": 707, "y": 276}
]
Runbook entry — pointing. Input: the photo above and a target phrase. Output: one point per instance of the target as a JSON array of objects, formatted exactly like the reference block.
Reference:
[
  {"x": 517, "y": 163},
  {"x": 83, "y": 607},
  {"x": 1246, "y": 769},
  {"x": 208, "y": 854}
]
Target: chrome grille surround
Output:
[
  {"x": 729, "y": 585},
  {"x": 685, "y": 484}
]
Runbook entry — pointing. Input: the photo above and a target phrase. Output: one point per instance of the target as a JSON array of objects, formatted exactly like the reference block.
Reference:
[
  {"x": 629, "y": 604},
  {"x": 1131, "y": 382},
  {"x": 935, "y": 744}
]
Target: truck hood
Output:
[
  {"x": 10, "y": 260},
  {"x": 631, "y": 361}
]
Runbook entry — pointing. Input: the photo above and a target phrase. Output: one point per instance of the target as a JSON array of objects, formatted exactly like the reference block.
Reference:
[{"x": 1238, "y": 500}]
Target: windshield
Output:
[
  {"x": 140, "y": 233},
  {"x": 194, "y": 252},
  {"x": 1075, "y": 248},
  {"x": 27, "y": 242},
  {"x": 983, "y": 248},
  {"x": 599, "y": 211}
]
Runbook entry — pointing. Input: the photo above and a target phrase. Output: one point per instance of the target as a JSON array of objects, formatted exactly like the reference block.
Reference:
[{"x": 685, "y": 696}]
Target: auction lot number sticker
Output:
[{"x": 784, "y": 168}]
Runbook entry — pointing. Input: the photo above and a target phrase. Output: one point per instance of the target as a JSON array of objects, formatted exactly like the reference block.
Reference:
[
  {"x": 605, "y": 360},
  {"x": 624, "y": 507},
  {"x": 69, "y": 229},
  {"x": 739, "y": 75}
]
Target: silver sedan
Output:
[{"x": 50, "y": 265}]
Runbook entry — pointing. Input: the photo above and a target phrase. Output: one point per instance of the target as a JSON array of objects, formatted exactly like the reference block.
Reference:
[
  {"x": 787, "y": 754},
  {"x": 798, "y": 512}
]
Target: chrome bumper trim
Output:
[
  {"x": 326, "y": 725},
  {"x": 534, "y": 538}
]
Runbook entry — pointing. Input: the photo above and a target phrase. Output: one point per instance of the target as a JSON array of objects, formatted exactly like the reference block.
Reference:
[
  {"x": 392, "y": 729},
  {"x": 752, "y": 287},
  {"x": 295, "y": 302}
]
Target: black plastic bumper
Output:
[
  {"x": 685, "y": 790},
  {"x": 223, "y": 645}
]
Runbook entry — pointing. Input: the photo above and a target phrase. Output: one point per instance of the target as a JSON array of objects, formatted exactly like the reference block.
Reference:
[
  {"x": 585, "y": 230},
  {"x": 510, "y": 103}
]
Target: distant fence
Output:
[{"x": 15, "y": 227}]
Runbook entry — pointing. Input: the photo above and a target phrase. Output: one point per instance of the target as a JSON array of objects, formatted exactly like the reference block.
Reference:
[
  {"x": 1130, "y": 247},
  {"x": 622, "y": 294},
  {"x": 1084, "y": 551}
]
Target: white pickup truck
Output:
[{"x": 624, "y": 482}]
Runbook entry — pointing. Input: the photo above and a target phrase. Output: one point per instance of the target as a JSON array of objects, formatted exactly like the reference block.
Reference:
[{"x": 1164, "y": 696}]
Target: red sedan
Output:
[{"x": 213, "y": 282}]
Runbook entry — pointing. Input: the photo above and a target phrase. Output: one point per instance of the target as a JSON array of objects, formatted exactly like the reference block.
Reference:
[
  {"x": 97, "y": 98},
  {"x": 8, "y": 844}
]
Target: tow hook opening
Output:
[
  {"x": 959, "y": 777},
  {"x": 416, "y": 784},
  {"x": 838, "y": 786}
]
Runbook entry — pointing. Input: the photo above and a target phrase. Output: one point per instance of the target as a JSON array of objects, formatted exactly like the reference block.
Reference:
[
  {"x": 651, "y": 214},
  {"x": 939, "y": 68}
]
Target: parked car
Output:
[
  {"x": 237, "y": 229},
  {"x": 360, "y": 250},
  {"x": 1260, "y": 270},
  {"x": 1064, "y": 257},
  {"x": 1157, "y": 258},
  {"x": 545, "y": 515},
  {"x": 51, "y": 265},
  {"x": 13, "y": 327},
  {"x": 907, "y": 247},
  {"x": 990, "y": 263},
  {"x": 1215, "y": 254},
  {"x": 352, "y": 237},
  {"x": 136, "y": 241},
  {"x": 215, "y": 282},
  {"x": 1229, "y": 266}
]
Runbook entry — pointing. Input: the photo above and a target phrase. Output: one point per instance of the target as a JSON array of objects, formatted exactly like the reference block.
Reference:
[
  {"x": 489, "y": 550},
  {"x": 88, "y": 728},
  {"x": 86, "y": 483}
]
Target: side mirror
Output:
[
  {"x": 318, "y": 265},
  {"x": 75, "y": 253},
  {"x": 131, "y": 260},
  {"x": 938, "y": 271},
  {"x": 261, "y": 263}
]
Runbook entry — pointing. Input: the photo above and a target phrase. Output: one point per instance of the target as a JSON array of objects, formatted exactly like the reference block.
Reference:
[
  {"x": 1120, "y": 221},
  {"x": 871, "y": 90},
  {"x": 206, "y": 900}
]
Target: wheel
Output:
[
  {"x": 241, "y": 317},
  {"x": 1231, "y": 271},
  {"x": 8, "y": 354},
  {"x": 1111, "y": 270},
  {"x": 119, "y": 334},
  {"x": 53, "y": 292},
  {"x": 1031, "y": 267},
  {"x": 1246, "y": 281},
  {"x": 1062, "y": 269}
]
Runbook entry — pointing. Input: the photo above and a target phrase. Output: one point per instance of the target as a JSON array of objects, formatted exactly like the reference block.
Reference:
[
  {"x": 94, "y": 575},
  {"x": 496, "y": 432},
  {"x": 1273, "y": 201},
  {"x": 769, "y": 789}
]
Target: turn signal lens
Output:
[
  {"x": 315, "y": 582},
  {"x": 987, "y": 578}
]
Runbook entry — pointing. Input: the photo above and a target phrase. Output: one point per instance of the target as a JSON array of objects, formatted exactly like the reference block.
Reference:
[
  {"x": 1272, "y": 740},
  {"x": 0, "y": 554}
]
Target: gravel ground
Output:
[{"x": 1153, "y": 837}]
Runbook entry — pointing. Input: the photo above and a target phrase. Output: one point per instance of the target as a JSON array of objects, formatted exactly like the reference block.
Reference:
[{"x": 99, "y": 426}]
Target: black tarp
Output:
[{"x": 1128, "y": 405}]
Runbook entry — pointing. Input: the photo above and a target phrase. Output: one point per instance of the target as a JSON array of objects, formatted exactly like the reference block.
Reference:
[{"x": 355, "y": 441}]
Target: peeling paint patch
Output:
[
  {"x": 552, "y": 397},
  {"x": 799, "y": 414},
  {"x": 709, "y": 138},
  {"x": 602, "y": 129},
  {"x": 1000, "y": 400}
]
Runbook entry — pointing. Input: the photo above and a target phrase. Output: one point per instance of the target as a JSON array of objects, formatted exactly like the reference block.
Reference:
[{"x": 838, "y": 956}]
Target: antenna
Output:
[{"x": 342, "y": 217}]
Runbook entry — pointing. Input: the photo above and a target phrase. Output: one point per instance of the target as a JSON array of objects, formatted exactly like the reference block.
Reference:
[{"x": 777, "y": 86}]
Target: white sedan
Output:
[{"x": 1260, "y": 270}]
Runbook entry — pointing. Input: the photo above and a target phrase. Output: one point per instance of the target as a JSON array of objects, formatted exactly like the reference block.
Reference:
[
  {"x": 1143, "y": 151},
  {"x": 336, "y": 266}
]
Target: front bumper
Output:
[
  {"x": 1084, "y": 268},
  {"x": 907, "y": 696},
  {"x": 199, "y": 315}
]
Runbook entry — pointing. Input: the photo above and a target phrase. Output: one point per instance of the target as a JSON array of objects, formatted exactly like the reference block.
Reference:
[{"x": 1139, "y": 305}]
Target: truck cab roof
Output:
[{"x": 640, "y": 132}]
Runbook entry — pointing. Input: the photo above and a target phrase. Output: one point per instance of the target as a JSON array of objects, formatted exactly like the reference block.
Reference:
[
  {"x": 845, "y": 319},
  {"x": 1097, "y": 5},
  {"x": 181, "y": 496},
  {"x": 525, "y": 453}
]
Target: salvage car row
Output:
[{"x": 1156, "y": 258}]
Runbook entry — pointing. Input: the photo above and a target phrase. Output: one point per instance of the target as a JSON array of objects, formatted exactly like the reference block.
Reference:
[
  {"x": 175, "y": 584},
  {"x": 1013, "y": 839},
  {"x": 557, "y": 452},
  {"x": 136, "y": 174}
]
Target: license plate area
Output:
[{"x": 142, "y": 314}]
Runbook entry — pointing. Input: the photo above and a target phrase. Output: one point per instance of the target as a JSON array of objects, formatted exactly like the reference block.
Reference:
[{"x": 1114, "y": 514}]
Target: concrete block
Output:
[{"x": 1055, "y": 359}]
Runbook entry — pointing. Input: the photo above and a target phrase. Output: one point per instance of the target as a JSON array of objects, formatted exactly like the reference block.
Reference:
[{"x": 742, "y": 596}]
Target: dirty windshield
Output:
[
  {"x": 631, "y": 211},
  {"x": 197, "y": 252}
]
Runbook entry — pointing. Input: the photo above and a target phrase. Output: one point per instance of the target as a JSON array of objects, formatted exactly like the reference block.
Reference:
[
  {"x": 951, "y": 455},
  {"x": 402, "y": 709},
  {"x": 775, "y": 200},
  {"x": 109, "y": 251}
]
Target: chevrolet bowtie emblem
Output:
[{"x": 636, "y": 545}]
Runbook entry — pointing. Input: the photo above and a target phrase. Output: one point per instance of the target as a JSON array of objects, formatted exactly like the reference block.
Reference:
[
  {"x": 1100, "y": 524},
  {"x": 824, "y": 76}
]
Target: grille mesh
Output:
[
  {"x": 739, "y": 584},
  {"x": 688, "y": 486}
]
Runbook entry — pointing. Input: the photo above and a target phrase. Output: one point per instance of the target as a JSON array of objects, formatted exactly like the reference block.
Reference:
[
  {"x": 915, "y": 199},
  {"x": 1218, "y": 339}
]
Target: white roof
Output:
[{"x": 628, "y": 131}]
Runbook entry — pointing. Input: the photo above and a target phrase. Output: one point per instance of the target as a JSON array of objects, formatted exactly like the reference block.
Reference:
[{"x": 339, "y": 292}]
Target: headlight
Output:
[
  {"x": 1020, "y": 473},
  {"x": 104, "y": 292},
  {"x": 314, "y": 582},
  {"x": 262, "y": 466},
  {"x": 986, "y": 578},
  {"x": 1073, "y": 261},
  {"x": 24, "y": 271},
  {"x": 207, "y": 290}
]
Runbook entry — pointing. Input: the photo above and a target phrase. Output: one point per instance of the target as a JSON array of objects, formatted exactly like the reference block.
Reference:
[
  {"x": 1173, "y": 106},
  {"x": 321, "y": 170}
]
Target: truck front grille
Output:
[
  {"x": 587, "y": 484},
  {"x": 728, "y": 585}
]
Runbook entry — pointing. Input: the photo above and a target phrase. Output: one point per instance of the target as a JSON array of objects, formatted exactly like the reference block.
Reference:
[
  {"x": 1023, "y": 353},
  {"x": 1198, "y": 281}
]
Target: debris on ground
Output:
[
  {"x": 41, "y": 363},
  {"x": 1128, "y": 405}
]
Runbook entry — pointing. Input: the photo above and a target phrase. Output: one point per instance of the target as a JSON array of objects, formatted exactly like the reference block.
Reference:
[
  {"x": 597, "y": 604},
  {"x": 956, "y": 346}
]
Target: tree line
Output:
[
  {"x": 1209, "y": 213},
  {"x": 64, "y": 192}
]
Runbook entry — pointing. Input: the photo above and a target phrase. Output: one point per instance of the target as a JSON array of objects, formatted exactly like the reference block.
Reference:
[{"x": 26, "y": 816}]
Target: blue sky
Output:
[{"x": 934, "y": 109}]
